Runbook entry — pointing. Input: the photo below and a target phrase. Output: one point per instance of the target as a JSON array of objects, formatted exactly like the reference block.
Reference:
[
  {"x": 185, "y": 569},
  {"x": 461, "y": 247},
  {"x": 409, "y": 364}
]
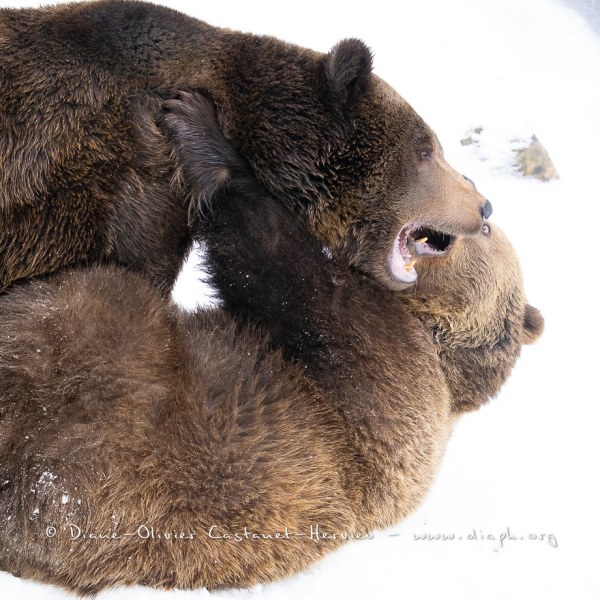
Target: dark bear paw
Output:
[{"x": 201, "y": 151}]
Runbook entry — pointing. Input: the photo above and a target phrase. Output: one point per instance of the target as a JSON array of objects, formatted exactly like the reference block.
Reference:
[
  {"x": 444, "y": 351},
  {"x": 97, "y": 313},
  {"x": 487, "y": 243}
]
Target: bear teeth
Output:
[{"x": 403, "y": 247}]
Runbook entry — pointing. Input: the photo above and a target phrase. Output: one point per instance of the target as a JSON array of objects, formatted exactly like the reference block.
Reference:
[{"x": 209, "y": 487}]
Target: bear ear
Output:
[
  {"x": 346, "y": 69},
  {"x": 533, "y": 324}
]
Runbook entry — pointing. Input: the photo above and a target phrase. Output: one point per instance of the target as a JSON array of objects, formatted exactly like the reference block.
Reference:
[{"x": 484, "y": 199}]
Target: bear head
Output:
[
  {"x": 326, "y": 135},
  {"x": 472, "y": 300}
]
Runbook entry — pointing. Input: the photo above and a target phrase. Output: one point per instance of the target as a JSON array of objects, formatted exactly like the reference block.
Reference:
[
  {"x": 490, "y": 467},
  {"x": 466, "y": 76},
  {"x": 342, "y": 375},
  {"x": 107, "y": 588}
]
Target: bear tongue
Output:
[
  {"x": 408, "y": 275},
  {"x": 402, "y": 267}
]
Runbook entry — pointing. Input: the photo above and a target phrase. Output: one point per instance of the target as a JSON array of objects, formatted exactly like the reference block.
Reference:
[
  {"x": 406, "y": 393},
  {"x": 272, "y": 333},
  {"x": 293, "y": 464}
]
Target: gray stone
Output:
[{"x": 534, "y": 161}]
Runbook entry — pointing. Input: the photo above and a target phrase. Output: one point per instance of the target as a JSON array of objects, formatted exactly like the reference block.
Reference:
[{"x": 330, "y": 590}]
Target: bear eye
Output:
[
  {"x": 485, "y": 229},
  {"x": 425, "y": 154}
]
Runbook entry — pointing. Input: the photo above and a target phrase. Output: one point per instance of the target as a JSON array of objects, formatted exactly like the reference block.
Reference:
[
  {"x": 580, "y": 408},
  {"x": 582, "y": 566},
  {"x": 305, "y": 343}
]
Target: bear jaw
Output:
[{"x": 413, "y": 241}]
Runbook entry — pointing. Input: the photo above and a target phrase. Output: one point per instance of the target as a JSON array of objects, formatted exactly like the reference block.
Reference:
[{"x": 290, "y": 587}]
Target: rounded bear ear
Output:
[
  {"x": 346, "y": 69},
  {"x": 533, "y": 324}
]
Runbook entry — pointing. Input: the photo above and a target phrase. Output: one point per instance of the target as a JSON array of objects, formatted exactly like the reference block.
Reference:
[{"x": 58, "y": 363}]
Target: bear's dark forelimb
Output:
[{"x": 205, "y": 158}]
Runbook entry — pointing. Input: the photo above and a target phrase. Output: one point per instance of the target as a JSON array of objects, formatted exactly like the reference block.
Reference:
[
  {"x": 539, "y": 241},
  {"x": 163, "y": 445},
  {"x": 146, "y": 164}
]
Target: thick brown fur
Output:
[
  {"x": 87, "y": 173},
  {"x": 315, "y": 398}
]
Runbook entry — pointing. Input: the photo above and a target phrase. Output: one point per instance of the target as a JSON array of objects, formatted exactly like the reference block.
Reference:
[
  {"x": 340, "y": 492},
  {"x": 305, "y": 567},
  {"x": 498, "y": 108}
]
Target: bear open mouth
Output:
[
  {"x": 429, "y": 242},
  {"x": 417, "y": 240}
]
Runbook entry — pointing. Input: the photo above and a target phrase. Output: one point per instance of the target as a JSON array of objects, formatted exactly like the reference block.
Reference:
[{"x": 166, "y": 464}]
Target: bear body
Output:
[
  {"x": 143, "y": 445},
  {"x": 88, "y": 173}
]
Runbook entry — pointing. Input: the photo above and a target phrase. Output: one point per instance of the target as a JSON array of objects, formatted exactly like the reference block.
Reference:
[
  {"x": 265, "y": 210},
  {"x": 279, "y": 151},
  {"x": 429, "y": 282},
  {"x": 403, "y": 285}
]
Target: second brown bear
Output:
[
  {"x": 143, "y": 445},
  {"x": 87, "y": 173}
]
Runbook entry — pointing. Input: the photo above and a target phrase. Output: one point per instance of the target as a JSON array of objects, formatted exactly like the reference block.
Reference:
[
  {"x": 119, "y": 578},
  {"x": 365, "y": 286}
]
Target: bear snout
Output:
[{"x": 486, "y": 210}]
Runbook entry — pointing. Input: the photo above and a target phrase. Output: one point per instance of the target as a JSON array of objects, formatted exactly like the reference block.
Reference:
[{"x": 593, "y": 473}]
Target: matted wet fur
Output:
[
  {"x": 87, "y": 173},
  {"x": 210, "y": 448}
]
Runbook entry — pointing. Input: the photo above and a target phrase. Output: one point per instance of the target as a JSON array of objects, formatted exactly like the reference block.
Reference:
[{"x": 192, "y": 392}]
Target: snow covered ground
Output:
[{"x": 527, "y": 461}]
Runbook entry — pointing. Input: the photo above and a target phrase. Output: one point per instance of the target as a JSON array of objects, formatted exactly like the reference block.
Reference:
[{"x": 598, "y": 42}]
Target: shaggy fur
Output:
[
  {"x": 87, "y": 174},
  {"x": 314, "y": 401}
]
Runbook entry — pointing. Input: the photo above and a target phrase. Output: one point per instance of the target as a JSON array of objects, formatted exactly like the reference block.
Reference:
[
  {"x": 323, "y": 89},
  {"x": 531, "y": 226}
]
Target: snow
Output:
[
  {"x": 526, "y": 461},
  {"x": 46, "y": 476}
]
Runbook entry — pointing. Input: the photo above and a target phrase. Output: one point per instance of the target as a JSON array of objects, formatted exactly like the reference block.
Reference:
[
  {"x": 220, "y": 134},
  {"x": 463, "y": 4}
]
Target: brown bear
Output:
[
  {"x": 87, "y": 173},
  {"x": 143, "y": 445}
]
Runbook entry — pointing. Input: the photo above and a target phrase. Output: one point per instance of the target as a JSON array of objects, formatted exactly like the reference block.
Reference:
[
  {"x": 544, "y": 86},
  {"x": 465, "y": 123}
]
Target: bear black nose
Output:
[{"x": 486, "y": 210}]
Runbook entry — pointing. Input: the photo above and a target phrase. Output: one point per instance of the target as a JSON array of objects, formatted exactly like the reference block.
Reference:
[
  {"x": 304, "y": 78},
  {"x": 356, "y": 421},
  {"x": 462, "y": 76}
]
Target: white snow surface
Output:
[{"x": 527, "y": 460}]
